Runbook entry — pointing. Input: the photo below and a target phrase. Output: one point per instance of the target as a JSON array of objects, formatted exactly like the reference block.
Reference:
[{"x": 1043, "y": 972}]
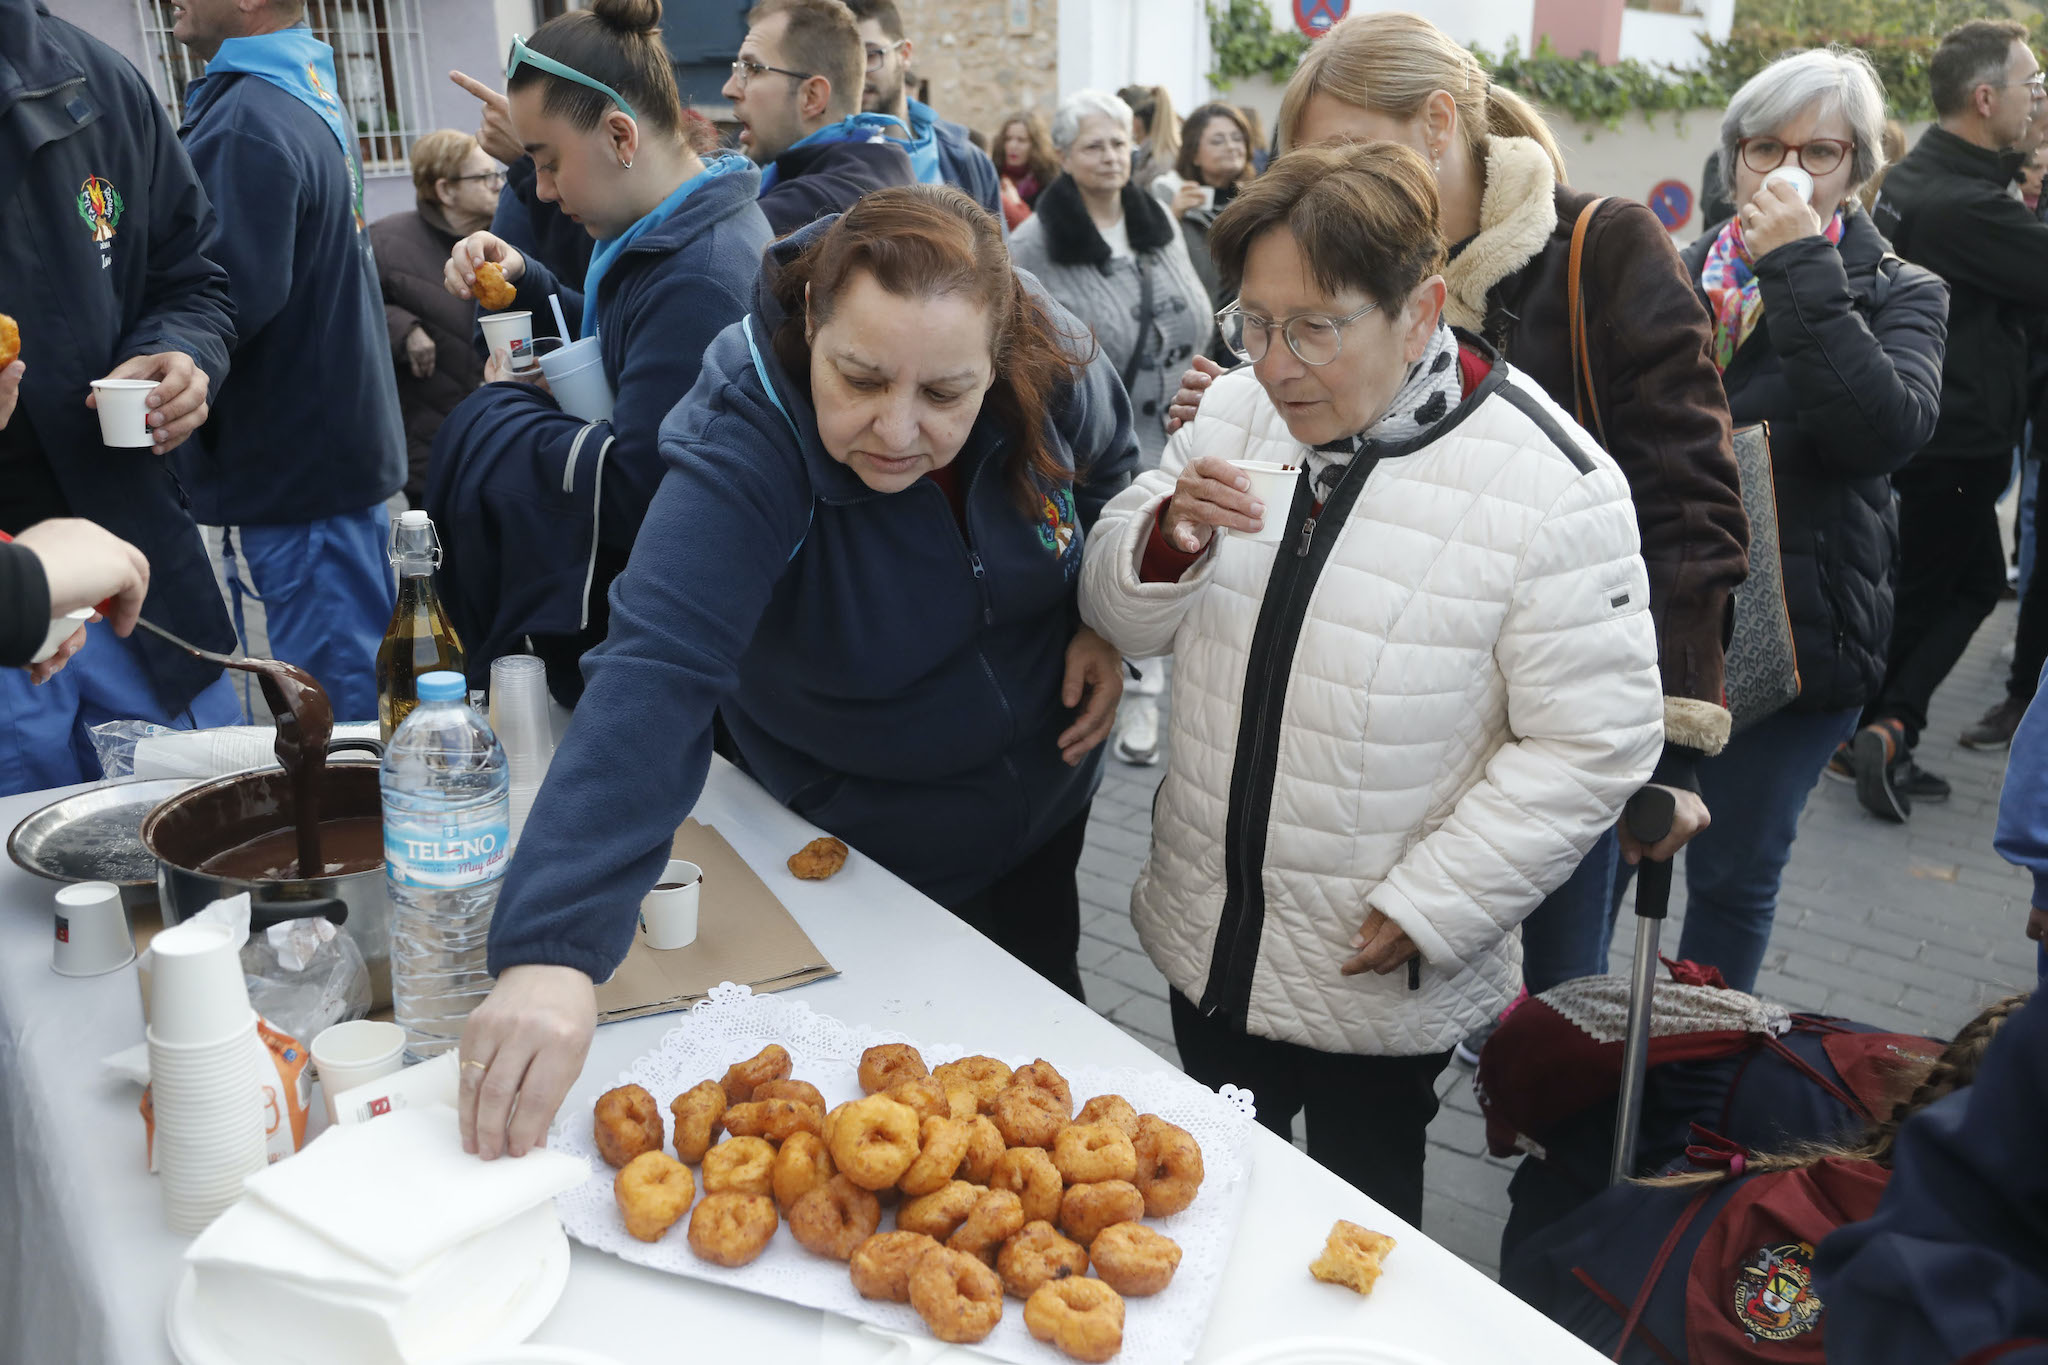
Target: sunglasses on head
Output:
[{"x": 522, "y": 55}]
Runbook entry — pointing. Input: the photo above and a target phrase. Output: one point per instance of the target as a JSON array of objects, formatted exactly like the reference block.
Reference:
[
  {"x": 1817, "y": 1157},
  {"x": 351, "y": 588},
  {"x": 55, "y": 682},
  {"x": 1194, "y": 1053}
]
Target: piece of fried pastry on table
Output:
[
  {"x": 1352, "y": 1257},
  {"x": 654, "y": 1191},
  {"x": 493, "y": 292},
  {"x": 818, "y": 859},
  {"x": 626, "y": 1124}
]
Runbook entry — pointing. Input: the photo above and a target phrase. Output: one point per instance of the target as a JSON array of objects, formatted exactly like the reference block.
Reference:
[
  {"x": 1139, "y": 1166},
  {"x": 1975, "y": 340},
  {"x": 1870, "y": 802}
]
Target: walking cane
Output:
[{"x": 1649, "y": 814}]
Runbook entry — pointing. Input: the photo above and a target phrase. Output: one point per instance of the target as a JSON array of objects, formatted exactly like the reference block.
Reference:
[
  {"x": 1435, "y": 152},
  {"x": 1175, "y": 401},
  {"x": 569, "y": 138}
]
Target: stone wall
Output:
[{"x": 985, "y": 58}]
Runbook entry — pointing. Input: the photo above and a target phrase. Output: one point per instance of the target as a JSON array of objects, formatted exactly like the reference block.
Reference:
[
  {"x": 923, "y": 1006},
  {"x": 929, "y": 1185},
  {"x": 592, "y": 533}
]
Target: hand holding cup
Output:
[{"x": 1211, "y": 492}]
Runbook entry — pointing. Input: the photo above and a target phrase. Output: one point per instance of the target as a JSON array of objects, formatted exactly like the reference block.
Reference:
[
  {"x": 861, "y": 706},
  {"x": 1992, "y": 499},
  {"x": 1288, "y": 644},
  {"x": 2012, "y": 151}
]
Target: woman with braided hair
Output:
[{"x": 1716, "y": 1265}]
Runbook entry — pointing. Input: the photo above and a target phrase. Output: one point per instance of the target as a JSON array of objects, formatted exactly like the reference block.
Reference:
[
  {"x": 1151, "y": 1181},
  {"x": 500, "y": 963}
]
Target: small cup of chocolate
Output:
[{"x": 668, "y": 914}]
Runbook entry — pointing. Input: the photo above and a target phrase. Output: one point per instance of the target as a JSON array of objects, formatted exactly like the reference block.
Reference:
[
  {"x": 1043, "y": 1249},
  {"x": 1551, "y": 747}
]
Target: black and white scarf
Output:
[{"x": 1433, "y": 387}]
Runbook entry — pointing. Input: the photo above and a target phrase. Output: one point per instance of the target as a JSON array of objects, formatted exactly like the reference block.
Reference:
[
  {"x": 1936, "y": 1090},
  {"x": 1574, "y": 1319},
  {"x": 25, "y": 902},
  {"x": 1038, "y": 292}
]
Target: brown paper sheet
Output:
[{"x": 744, "y": 935}]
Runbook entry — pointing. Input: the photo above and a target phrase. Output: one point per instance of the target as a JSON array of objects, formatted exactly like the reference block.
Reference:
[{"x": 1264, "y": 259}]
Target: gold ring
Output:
[{"x": 480, "y": 1066}]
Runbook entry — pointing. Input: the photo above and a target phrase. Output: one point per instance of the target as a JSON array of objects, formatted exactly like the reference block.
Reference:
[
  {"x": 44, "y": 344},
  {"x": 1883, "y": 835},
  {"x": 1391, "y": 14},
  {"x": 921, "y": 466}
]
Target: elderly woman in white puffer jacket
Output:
[{"x": 1398, "y": 728}]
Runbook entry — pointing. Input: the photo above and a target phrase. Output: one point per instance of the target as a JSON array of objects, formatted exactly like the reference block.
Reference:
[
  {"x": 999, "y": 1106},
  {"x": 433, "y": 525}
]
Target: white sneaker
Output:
[{"x": 1137, "y": 732}]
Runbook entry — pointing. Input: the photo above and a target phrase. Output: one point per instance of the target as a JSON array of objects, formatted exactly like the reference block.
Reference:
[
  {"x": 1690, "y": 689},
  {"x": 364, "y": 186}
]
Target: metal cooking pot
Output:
[{"x": 191, "y": 827}]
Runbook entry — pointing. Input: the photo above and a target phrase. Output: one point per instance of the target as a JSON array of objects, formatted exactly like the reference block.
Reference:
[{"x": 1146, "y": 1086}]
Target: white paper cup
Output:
[
  {"x": 576, "y": 377},
  {"x": 1796, "y": 177},
  {"x": 668, "y": 919},
  {"x": 1273, "y": 485},
  {"x": 207, "y": 1105},
  {"x": 356, "y": 1053},
  {"x": 432, "y": 1082},
  {"x": 197, "y": 994},
  {"x": 92, "y": 931},
  {"x": 61, "y": 629},
  {"x": 513, "y": 333},
  {"x": 124, "y": 410}
]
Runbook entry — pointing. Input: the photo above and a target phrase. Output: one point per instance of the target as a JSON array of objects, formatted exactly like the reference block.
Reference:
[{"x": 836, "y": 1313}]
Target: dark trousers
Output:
[
  {"x": 1033, "y": 912},
  {"x": 2030, "y": 641},
  {"x": 1951, "y": 574},
  {"x": 1368, "y": 1117}
]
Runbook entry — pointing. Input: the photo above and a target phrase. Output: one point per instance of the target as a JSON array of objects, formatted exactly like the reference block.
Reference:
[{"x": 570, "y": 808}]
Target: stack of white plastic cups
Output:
[
  {"x": 205, "y": 1093},
  {"x": 519, "y": 718}
]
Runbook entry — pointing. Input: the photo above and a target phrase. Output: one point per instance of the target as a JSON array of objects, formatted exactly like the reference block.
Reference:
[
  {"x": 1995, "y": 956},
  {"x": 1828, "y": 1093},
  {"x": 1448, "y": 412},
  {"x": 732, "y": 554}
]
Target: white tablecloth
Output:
[{"x": 89, "y": 1264}]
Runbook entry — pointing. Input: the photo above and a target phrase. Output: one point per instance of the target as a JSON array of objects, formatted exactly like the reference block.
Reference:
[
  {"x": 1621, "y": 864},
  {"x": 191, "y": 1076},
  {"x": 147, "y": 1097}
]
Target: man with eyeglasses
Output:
[
  {"x": 795, "y": 91},
  {"x": 1945, "y": 206},
  {"x": 939, "y": 150},
  {"x": 306, "y": 443}
]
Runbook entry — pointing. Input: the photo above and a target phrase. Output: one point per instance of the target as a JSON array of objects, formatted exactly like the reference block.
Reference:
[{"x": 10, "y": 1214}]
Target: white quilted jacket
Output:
[{"x": 1468, "y": 699}]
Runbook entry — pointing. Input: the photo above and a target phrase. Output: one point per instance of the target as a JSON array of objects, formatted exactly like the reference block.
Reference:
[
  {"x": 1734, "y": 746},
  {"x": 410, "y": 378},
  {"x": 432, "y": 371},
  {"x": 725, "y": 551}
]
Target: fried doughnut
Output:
[
  {"x": 984, "y": 1149},
  {"x": 775, "y": 1120},
  {"x": 890, "y": 1064},
  {"x": 1089, "y": 1152},
  {"x": 627, "y": 1124},
  {"x": 801, "y": 1166},
  {"x": 493, "y": 291},
  {"x": 818, "y": 859},
  {"x": 1134, "y": 1260},
  {"x": 1353, "y": 1256},
  {"x": 835, "y": 1218},
  {"x": 882, "y": 1264},
  {"x": 742, "y": 1165},
  {"x": 1037, "y": 1255},
  {"x": 939, "y": 1156},
  {"x": 1027, "y": 1116},
  {"x": 731, "y": 1229},
  {"x": 699, "y": 1112},
  {"x": 1169, "y": 1166},
  {"x": 959, "y": 1298},
  {"x": 1085, "y": 1210},
  {"x": 874, "y": 1142},
  {"x": 771, "y": 1063},
  {"x": 985, "y": 1076},
  {"x": 1083, "y": 1318},
  {"x": 923, "y": 1094},
  {"x": 1030, "y": 1174},
  {"x": 961, "y": 1101},
  {"x": 939, "y": 1214},
  {"x": 801, "y": 1091},
  {"x": 1041, "y": 1076},
  {"x": 1111, "y": 1109},
  {"x": 654, "y": 1190},
  {"x": 10, "y": 340},
  {"x": 995, "y": 1218}
]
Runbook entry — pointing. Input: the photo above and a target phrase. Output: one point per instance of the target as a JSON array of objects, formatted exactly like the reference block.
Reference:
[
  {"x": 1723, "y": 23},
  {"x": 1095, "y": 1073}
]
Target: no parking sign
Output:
[
  {"x": 1671, "y": 201},
  {"x": 1314, "y": 17}
]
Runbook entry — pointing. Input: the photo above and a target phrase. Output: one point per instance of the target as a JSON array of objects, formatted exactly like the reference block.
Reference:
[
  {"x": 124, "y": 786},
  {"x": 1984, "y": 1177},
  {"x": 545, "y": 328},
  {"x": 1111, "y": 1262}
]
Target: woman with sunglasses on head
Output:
[
  {"x": 456, "y": 184},
  {"x": 1399, "y": 725},
  {"x": 1644, "y": 385},
  {"x": 538, "y": 508}
]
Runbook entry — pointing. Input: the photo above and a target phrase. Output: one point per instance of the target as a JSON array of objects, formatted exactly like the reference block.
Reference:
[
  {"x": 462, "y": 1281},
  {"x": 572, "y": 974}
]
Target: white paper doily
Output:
[{"x": 733, "y": 1024}]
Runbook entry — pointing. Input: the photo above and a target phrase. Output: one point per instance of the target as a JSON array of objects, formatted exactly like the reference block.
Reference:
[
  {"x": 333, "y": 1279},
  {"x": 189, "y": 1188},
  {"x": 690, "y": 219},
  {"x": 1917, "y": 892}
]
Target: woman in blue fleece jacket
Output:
[
  {"x": 864, "y": 554},
  {"x": 539, "y": 509}
]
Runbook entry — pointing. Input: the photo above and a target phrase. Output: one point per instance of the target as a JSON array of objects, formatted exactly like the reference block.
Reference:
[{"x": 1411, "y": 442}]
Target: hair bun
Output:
[{"x": 629, "y": 16}]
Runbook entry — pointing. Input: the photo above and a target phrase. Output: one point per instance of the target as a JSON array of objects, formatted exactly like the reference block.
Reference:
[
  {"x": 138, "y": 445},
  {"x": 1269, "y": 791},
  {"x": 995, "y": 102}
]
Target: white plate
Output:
[
  {"x": 536, "y": 1355},
  {"x": 1328, "y": 1351},
  {"x": 193, "y": 1345}
]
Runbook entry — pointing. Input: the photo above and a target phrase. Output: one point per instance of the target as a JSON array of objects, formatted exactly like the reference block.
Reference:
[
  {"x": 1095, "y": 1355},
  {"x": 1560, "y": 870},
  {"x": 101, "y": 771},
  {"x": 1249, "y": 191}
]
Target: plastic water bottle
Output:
[{"x": 447, "y": 811}]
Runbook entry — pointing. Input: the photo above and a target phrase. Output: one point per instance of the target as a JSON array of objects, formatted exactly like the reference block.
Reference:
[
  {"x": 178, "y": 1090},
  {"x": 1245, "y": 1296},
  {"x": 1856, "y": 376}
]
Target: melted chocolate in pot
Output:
[
  {"x": 352, "y": 844},
  {"x": 305, "y": 723}
]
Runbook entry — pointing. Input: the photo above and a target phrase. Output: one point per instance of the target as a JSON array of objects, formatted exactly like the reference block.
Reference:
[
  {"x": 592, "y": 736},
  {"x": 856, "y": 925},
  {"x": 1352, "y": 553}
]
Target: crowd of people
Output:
[{"x": 924, "y": 460}]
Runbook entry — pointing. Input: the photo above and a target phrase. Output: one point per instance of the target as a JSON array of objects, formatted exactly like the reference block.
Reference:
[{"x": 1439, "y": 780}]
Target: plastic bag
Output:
[
  {"x": 137, "y": 748},
  {"x": 305, "y": 975}
]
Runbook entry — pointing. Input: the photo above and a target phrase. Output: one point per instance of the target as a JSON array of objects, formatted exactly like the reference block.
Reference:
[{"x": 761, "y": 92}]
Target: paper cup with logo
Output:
[
  {"x": 432, "y": 1082},
  {"x": 92, "y": 931},
  {"x": 197, "y": 994},
  {"x": 1796, "y": 177},
  {"x": 1273, "y": 485},
  {"x": 668, "y": 914},
  {"x": 576, "y": 378},
  {"x": 355, "y": 1053},
  {"x": 123, "y": 406},
  {"x": 511, "y": 333}
]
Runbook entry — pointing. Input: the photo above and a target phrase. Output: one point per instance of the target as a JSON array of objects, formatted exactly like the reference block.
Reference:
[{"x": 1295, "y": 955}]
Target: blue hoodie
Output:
[
  {"x": 882, "y": 675},
  {"x": 517, "y": 486},
  {"x": 960, "y": 161},
  {"x": 308, "y": 425}
]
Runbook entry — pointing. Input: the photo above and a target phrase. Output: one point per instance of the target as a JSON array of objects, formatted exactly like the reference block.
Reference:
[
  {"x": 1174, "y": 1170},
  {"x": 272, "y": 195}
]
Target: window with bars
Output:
[{"x": 379, "y": 62}]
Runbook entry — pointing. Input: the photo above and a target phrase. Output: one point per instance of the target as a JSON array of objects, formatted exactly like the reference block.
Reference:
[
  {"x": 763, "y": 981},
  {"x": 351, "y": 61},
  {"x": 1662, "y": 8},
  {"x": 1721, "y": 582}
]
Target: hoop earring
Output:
[{"x": 625, "y": 164}]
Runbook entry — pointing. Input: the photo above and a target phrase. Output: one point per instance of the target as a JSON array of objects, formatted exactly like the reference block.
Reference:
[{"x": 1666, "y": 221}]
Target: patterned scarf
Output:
[
  {"x": 1433, "y": 387},
  {"x": 1730, "y": 284}
]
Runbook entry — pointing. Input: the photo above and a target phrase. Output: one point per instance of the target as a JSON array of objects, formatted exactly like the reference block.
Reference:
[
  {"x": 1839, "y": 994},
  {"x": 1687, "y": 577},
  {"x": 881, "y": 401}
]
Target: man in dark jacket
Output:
[
  {"x": 939, "y": 151},
  {"x": 306, "y": 443},
  {"x": 105, "y": 242},
  {"x": 795, "y": 91},
  {"x": 1945, "y": 207}
]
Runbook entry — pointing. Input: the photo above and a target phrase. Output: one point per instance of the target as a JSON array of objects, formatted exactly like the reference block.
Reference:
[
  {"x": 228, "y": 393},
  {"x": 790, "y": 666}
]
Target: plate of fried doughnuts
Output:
[{"x": 1034, "y": 1213}]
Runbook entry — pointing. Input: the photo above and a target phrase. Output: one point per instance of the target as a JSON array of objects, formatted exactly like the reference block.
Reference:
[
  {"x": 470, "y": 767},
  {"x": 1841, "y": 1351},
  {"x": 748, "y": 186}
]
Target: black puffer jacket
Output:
[{"x": 1847, "y": 372}]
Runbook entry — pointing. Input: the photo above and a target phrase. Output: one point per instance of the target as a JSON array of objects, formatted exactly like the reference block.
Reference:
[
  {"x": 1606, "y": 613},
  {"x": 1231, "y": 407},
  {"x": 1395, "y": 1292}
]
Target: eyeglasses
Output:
[
  {"x": 492, "y": 179},
  {"x": 522, "y": 55},
  {"x": 745, "y": 69},
  {"x": 2037, "y": 84},
  {"x": 1315, "y": 338},
  {"x": 876, "y": 55},
  {"x": 1765, "y": 154}
]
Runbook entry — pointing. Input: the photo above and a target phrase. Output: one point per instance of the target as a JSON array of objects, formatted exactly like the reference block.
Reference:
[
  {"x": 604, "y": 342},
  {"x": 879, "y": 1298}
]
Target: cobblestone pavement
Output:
[{"x": 1911, "y": 928}]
